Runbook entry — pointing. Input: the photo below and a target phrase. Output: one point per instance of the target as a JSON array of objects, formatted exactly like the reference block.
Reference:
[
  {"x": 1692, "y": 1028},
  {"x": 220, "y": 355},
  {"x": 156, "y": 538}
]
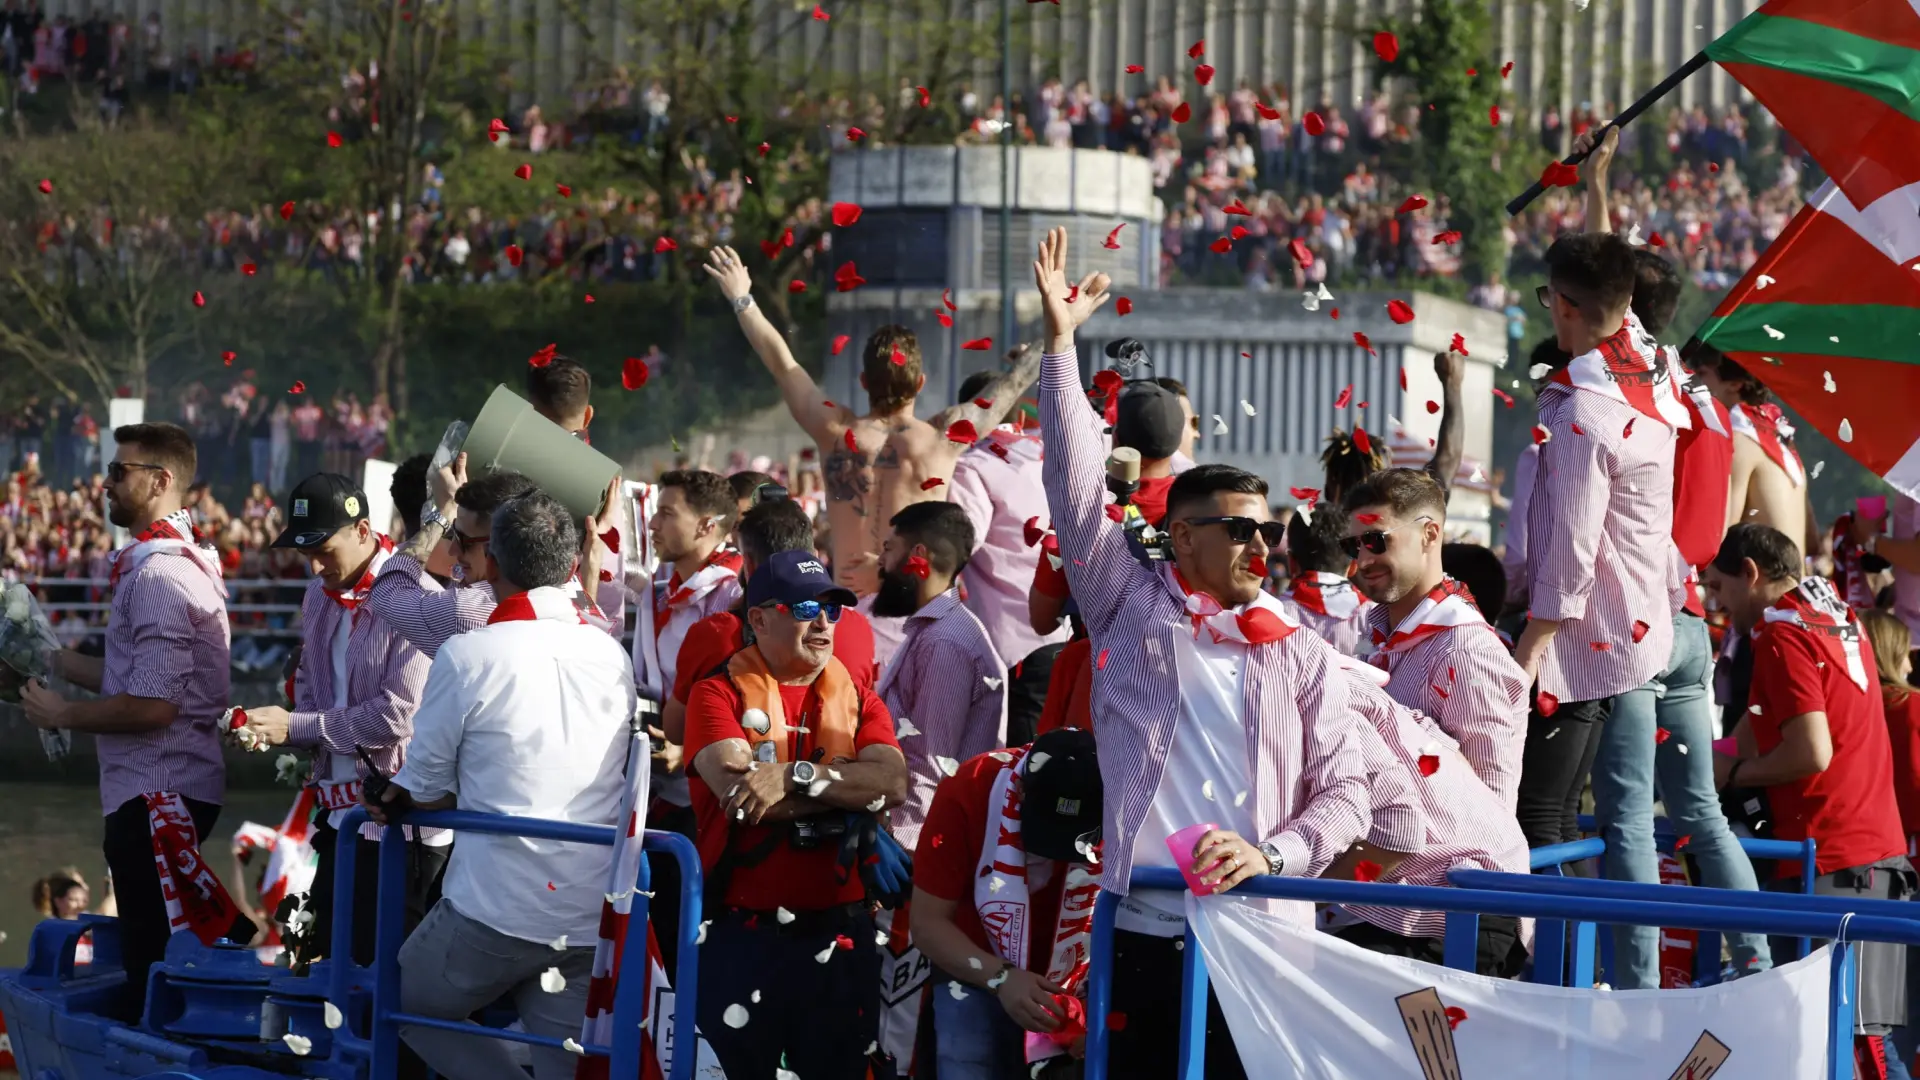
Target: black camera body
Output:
[
  {"x": 1127, "y": 354},
  {"x": 811, "y": 832}
]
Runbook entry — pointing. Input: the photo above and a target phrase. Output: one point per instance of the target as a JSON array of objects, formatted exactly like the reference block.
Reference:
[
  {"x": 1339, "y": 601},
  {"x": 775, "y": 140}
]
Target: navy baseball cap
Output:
[
  {"x": 320, "y": 506},
  {"x": 791, "y": 577}
]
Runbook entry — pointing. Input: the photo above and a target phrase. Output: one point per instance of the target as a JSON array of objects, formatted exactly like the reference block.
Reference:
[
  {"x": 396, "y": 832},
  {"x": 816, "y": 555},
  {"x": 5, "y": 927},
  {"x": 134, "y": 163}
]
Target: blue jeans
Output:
[
  {"x": 974, "y": 1038},
  {"x": 1624, "y": 771}
]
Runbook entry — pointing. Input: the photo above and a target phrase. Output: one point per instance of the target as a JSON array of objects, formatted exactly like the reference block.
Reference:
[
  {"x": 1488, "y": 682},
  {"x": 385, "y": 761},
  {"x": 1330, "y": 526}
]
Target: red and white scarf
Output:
[
  {"x": 351, "y": 599},
  {"x": 1326, "y": 594},
  {"x": 609, "y": 950},
  {"x": 1632, "y": 368},
  {"x": 1260, "y": 621},
  {"x": 660, "y": 633},
  {"x": 536, "y": 604},
  {"x": 1768, "y": 426},
  {"x": 1813, "y": 605},
  {"x": 1847, "y": 570},
  {"x": 195, "y": 898},
  {"x": 1447, "y": 606},
  {"x": 1701, "y": 404},
  {"x": 173, "y": 533},
  {"x": 1004, "y": 902}
]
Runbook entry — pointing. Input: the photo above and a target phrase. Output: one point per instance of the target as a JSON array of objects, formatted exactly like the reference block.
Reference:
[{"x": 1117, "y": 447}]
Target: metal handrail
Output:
[
  {"x": 381, "y": 1046},
  {"x": 1573, "y": 906}
]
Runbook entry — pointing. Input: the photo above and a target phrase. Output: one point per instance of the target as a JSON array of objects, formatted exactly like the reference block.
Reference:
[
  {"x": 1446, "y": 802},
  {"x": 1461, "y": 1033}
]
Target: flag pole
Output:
[{"x": 1525, "y": 198}]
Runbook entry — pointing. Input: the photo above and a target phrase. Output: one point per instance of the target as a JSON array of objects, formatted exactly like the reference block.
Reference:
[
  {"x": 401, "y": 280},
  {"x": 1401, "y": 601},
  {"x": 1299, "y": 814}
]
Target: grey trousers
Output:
[{"x": 452, "y": 966}]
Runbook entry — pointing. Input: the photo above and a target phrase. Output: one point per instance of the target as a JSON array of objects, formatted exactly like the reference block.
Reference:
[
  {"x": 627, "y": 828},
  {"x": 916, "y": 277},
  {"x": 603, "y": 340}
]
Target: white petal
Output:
[
  {"x": 1846, "y": 431},
  {"x": 959, "y": 992},
  {"x": 560, "y": 943},
  {"x": 1683, "y": 748},
  {"x": 552, "y": 981},
  {"x": 871, "y": 1048},
  {"x": 878, "y": 804},
  {"x": 974, "y": 961},
  {"x": 1001, "y": 756},
  {"x": 1633, "y": 237},
  {"x": 755, "y": 997},
  {"x": 1036, "y": 759},
  {"x": 299, "y": 1044},
  {"x": 1323, "y": 294},
  {"x": 785, "y": 917},
  {"x": 945, "y": 766},
  {"x": 735, "y": 1016},
  {"x": 572, "y": 1046},
  {"x": 1219, "y": 425},
  {"x": 1476, "y": 476},
  {"x": 1206, "y": 790},
  {"x": 834, "y": 774},
  {"x": 814, "y": 789},
  {"x": 1240, "y": 799},
  {"x": 701, "y": 937},
  {"x": 334, "y": 1019},
  {"x": 1826, "y": 379},
  {"x": 1247, "y": 407},
  {"x": 1818, "y": 468},
  {"x": 904, "y": 728},
  {"x": 1537, "y": 372},
  {"x": 1772, "y": 333},
  {"x": 996, "y": 883},
  {"x": 1754, "y": 709},
  {"x": 1833, "y": 339},
  {"x": 824, "y": 955},
  {"x": 992, "y": 684},
  {"x": 879, "y": 937},
  {"x": 1762, "y": 281},
  {"x": 785, "y": 1074},
  {"x": 1310, "y": 301}
]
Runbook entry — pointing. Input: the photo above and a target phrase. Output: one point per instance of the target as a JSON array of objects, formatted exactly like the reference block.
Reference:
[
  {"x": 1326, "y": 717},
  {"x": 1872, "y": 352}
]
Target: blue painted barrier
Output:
[
  {"x": 1567, "y": 903},
  {"x": 380, "y": 1047}
]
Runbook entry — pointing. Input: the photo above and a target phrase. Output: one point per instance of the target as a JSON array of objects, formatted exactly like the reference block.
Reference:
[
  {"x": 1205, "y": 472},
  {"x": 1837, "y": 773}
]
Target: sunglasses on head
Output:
[
  {"x": 118, "y": 470},
  {"x": 1240, "y": 530},
  {"x": 1374, "y": 540},
  {"x": 809, "y": 610}
]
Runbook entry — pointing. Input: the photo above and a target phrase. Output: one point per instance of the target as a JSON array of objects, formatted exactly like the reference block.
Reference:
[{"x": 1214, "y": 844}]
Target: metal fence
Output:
[{"x": 75, "y": 619}]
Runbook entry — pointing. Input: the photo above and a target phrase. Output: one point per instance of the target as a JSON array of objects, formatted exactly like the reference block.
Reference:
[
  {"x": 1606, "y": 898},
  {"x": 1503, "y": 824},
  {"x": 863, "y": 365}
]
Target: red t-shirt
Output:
[
  {"x": 948, "y": 859},
  {"x": 1702, "y": 464},
  {"x": 789, "y": 878},
  {"x": 1069, "y": 690},
  {"x": 713, "y": 640},
  {"x": 1849, "y": 809},
  {"x": 1903, "y": 731}
]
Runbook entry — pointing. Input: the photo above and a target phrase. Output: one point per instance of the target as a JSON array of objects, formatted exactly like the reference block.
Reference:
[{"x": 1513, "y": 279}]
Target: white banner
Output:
[{"x": 1304, "y": 1005}]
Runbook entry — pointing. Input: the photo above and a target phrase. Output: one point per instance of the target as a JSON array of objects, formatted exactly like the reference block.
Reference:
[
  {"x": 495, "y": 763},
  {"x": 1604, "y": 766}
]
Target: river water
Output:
[{"x": 44, "y": 827}]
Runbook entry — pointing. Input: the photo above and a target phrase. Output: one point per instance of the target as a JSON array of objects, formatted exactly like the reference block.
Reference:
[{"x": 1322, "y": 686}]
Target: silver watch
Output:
[
  {"x": 742, "y": 303},
  {"x": 804, "y": 773},
  {"x": 431, "y": 515},
  {"x": 1276, "y": 862}
]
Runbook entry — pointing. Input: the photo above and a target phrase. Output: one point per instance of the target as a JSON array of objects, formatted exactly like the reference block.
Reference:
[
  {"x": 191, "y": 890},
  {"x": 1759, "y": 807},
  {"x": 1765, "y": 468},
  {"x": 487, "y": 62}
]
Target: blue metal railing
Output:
[
  {"x": 1565, "y": 903},
  {"x": 380, "y": 1048}
]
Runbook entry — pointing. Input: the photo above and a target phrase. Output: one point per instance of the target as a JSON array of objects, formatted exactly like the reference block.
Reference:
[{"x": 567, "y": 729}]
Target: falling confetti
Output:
[
  {"x": 945, "y": 766},
  {"x": 1399, "y": 311},
  {"x": 1772, "y": 333},
  {"x": 1314, "y": 123},
  {"x": 1203, "y": 74},
  {"x": 1219, "y": 425},
  {"x": 1762, "y": 281},
  {"x": 46, "y": 187},
  {"x": 299, "y": 1044},
  {"x": 735, "y": 1016},
  {"x": 1247, "y": 407},
  {"x": 1206, "y": 790},
  {"x": 1818, "y": 468},
  {"x": 1846, "y": 430},
  {"x": 1413, "y": 202},
  {"x": 1386, "y": 46},
  {"x": 1366, "y": 870},
  {"x": 552, "y": 981},
  {"x": 333, "y": 1017},
  {"x": 524, "y": 172},
  {"x": 845, "y": 214}
]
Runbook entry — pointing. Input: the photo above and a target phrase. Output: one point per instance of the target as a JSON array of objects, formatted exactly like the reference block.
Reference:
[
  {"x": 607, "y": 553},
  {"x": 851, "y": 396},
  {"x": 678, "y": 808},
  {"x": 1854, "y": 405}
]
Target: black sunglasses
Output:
[
  {"x": 1544, "y": 293},
  {"x": 1240, "y": 530},
  {"x": 462, "y": 543},
  {"x": 117, "y": 470},
  {"x": 1374, "y": 540}
]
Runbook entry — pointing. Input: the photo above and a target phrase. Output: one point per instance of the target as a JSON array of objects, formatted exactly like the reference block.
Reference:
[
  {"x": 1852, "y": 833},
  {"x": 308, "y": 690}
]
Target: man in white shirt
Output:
[{"x": 530, "y": 715}]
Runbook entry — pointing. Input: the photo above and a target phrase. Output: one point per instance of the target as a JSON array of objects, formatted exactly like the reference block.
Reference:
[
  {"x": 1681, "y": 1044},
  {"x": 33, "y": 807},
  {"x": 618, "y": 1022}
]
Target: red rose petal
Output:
[
  {"x": 840, "y": 340},
  {"x": 249, "y": 269},
  {"x": 1657, "y": 240},
  {"x": 1600, "y": 646},
  {"x": 514, "y": 254},
  {"x": 298, "y": 387},
  {"x": 1361, "y": 441},
  {"x": 333, "y": 139},
  {"x": 524, "y": 172},
  {"x": 764, "y": 147},
  {"x": 1366, "y": 870},
  {"x": 1123, "y": 306},
  {"x": 1386, "y": 46},
  {"x": 961, "y": 431},
  {"x": 496, "y": 125},
  {"x": 544, "y": 356},
  {"x": 1546, "y": 703},
  {"x": 852, "y": 447},
  {"x": 1559, "y": 174},
  {"x": 897, "y": 358},
  {"x": 1429, "y": 764},
  {"x": 845, "y": 214},
  {"x": 917, "y": 566},
  {"x": 819, "y": 15},
  {"x": 286, "y": 210},
  {"x": 1203, "y": 74},
  {"x": 1432, "y": 406},
  {"x": 1359, "y": 338},
  {"x": 1116, "y": 1021},
  {"x": 946, "y": 300},
  {"x": 1032, "y": 531},
  {"x": 1414, "y": 202},
  {"x": 983, "y": 403},
  {"x": 565, "y": 191},
  {"x": 1304, "y": 492},
  {"x": 931, "y": 483},
  {"x": 1134, "y": 69},
  {"x": 1367, "y": 519},
  {"x": 1493, "y": 115},
  {"x": 1403, "y": 378},
  {"x": 1627, "y": 432},
  {"x": 1236, "y": 208},
  {"x": 978, "y": 344},
  {"x": 1266, "y": 111},
  {"x": 1576, "y": 429},
  {"x": 846, "y": 278},
  {"x": 1455, "y": 1014},
  {"x": 796, "y": 286},
  {"x": 843, "y": 942},
  {"x": 550, "y": 887},
  {"x": 1315, "y": 124},
  {"x": 1116, "y": 513},
  {"x": 1100, "y": 662},
  {"x": 46, "y": 187},
  {"x": 1451, "y": 236},
  {"x": 227, "y": 357},
  {"x": 926, "y": 99},
  {"x": 665, "y": 244},
  {"x": 946, "y": 320},
  {"x": 1459, "y": 345},
  {"x": 1713, "y": 167},
  {"x": 855, "y": 134},
  {"x": 1182, "y": 113},
  {"x": 1197, "y": 50},
  {"x": 1238, "y": 232},
  {"x": 1399, "y": 312},
  {"x": 1300, "y": 252},
  {"x": 1506, "y": 69},
  {"x": 1540, "y": 435},
  {"x": 1661, "y": 735},
  {"x": 634, "y": 373},
  {"x": 1640, "y": 629},
  {"x": 1503, "y": 396},
  {"x": 1346, "y": 396},
  {"x": 199, "y": 299}
]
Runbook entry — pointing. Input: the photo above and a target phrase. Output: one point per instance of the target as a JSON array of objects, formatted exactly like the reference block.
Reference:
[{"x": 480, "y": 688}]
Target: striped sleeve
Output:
[
  {"x": 425, "y": 618},
  {"x": 1337, "y": 805},
  {"x": 1569, "y": 512},
  {"x": 1098, "y": 561},
  {"x": 162, "y": 632}
]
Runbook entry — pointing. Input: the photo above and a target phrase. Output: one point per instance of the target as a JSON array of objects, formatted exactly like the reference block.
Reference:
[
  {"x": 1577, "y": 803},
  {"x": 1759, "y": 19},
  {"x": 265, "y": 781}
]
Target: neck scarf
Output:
[
  {"x": 1004, "y": 903},
  {"x": 1701, "y": 404},
  {"x": 1260, "y": 621},
  {"x": 1632, "y": 368},
  {"x": 616, "y": 909},
  {"x": 657, "y": 638},
  {"x": 173, "y": 533},
  {"x": 720, "y": 566},
  {"x": 1326, "y": 594},
  {"x": 351, "y": 599},
  {"x": 536, "y": 604},
  {"x": 1448, "y": 605},
  {"x": 195, "y": 898},
  {"x": 1814, "y": 606},
  {"x": 1846, "y": 566},
  {"x": 1768, "y": 426}
]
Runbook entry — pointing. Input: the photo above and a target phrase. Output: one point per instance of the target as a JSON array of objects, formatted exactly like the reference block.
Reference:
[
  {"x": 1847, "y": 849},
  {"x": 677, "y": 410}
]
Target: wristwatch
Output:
[
  {"x": 742, "y": 303},
  {"x": 803, "y": 773},
  {"x": 1276, "y": 862},
  {"x": 431, "y": 515}
]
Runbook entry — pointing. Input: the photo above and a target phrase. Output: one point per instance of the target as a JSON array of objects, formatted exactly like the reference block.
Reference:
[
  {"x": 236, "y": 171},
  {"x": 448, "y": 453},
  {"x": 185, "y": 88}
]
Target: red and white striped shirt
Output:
[
  {"x": 1310, "y": 797},
  {"x": 1600, "y": 556}
]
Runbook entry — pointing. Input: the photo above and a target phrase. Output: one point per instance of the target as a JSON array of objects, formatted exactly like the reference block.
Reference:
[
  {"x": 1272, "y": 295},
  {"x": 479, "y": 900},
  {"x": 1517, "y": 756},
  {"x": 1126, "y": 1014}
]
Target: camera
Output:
[
  {"x": 1127, "y": 354},
  {"x": 810, "y": 833}
]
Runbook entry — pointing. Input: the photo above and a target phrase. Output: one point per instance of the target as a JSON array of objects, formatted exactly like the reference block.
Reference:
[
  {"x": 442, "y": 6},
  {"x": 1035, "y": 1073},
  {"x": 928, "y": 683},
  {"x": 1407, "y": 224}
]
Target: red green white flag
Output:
[
  {"x": 1843, "y": 76},
  {"x": 1829, "y": 320}
]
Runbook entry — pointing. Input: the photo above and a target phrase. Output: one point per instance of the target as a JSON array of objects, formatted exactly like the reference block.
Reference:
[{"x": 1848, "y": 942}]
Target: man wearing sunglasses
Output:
[
  {"x": 791, "y": 753},
  {"x": 1440, "y": 654},
  {"x": 1321, "y": 595},
  {"x": 1213, "y": 708}
]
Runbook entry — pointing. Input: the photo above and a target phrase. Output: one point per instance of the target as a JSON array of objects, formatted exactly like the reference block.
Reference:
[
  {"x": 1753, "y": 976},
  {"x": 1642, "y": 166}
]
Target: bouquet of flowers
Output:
[{"x": 27, "y": 645}]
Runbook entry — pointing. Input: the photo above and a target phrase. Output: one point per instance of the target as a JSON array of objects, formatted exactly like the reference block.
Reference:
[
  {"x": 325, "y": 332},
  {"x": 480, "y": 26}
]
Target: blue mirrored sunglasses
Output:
[{"x": 809, "y": 610}]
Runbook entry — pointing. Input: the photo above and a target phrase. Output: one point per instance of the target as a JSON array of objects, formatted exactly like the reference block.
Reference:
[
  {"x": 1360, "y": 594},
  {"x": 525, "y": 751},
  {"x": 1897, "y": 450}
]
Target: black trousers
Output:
[
  {"x": 1499, "y": 956},
  {"x": 820, "y": 1017},
  {"x": 1144, "y": 1030},
  {"x": 1027, "y": 692},
  {"x": 425, "y": 867},
  {"x": 1554, "y": 768},
  {"x": 144, "y": 928},
  {"x": 663, "y": 910}
]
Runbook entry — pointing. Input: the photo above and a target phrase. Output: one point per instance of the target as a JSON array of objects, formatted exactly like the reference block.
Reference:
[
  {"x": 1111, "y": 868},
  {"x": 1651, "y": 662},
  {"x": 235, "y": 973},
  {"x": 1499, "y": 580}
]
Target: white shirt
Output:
[
  {"x": 531, "y": 719},
  {"x": 1208, "y": 757}
]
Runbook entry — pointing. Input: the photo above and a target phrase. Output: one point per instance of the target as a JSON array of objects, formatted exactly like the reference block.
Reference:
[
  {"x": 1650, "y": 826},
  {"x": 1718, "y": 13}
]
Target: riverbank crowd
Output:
[{"x": 915, "y": 734}]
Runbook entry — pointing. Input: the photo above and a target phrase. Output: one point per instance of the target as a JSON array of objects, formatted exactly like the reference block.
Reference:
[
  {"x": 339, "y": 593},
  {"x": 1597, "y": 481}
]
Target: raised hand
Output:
[
  {"x": 1067, "y": 305},
  {"x": 727, "y": 270}
]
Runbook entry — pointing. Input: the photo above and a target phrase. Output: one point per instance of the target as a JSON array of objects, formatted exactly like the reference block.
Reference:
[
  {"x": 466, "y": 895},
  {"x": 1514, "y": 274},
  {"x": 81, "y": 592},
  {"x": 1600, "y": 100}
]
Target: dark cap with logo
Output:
[
  {"x": 320, "y": 506},
  {"x": 1149, "y": 419},
  {"x": 790, "y": 577},
  {"x": 1060, "y": 795}
]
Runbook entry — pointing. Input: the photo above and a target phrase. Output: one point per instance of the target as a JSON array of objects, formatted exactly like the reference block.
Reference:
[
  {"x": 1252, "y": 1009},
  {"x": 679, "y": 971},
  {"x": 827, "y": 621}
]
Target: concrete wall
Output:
[{"x": 1610, "y": 52}]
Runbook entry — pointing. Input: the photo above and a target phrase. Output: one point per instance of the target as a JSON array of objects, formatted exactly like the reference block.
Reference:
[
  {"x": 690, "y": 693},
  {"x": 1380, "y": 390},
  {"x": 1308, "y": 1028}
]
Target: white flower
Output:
[
  {"x": 552, "y": 981},
  {"x": 735, "y": 1016},
  {"x": 299, "y": 1044}
]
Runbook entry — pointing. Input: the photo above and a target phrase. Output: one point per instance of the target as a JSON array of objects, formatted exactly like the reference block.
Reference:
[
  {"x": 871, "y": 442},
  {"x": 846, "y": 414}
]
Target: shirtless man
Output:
[{"x": 874, "y": 464}]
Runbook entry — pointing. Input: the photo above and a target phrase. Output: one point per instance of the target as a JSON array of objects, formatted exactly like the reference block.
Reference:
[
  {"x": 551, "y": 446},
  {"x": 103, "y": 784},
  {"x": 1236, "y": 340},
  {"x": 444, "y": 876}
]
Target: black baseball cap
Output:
[
  {"x": 1060, "y": 795},
  {"x": 1150, "y": 420},
  {"x": 791, "y": 577},
  {"x": 320, "y": 506}
]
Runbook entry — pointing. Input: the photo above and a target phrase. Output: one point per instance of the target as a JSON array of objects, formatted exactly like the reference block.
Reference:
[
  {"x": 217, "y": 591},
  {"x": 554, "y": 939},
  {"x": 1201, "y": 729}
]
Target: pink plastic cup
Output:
[{"x": 1180, "y": 846}]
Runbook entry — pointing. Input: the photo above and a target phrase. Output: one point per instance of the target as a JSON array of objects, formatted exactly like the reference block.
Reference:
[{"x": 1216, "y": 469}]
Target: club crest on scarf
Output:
[{"x": 1630, "y": 367}]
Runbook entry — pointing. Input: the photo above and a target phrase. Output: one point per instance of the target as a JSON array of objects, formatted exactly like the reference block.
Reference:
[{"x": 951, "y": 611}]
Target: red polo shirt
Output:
[
  {"x": 1850, "y": 809},
  {"x": 948, "y": 860},
  {"x": 1069, "y": 689},
  {"x": 1903, "y": 730},
  {"x": 713, "y": 640},
  {"x": 789, "y": 878}
]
